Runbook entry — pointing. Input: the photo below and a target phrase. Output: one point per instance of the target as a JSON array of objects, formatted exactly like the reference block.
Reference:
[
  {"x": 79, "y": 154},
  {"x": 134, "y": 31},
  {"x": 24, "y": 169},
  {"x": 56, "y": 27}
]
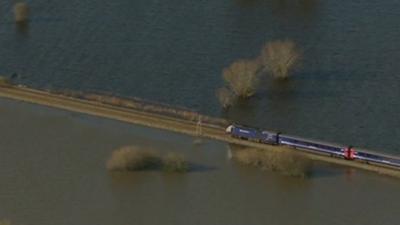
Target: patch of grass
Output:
[
  {"x": 21, "y": 12},
  {"x": 174, "y": 162},
  {"x": 130, "y": 158},
  {"x": 283, "y": 161},
  {"x": 147, "y": 106}
]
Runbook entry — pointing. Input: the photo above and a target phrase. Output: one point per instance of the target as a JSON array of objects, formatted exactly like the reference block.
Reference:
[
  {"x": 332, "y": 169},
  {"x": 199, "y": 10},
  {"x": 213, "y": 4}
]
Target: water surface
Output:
[
  {"x": 52, "y": 171},
  {"x": 174, "y": 52}
]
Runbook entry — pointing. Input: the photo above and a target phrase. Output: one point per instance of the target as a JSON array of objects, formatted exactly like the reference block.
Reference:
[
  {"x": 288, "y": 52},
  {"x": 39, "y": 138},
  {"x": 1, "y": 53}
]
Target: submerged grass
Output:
[
  {"x": 284, "y": 161},
  {"x": 131, "y": 158},
  {"x": 174, "y": 162}
]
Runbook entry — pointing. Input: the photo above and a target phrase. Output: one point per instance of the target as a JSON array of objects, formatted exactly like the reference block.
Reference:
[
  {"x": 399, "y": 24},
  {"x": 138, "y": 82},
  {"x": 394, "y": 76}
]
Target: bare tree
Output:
[
  {"x": 21, "y": 12},
  {"x": 241, "y": 77},
  {"x": 225, "y": 97},
  {"x": 280, "y": 58}
]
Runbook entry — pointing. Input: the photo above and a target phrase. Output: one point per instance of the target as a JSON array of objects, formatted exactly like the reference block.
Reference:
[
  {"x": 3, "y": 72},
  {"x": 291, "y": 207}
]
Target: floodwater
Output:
[
  {"x": 174, "y": 52},
  {"x": 52, "y": 170},
  {"x": 52, "y": 162}
]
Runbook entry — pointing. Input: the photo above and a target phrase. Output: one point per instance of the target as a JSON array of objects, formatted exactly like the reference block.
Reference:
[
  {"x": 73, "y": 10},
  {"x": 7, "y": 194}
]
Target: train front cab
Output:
[
  {"x": 228, "y": 130},
  {"x": 244, "y": 133}
]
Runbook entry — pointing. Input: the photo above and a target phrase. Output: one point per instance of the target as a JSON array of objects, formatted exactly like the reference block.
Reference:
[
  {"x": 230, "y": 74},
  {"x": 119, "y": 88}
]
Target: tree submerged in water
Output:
[
  {"x": 280, "y": 58},
  {"x": 241, "y": 77},
  {"x": 21, "y": 12},
  {"x": 225, "y": 97}
]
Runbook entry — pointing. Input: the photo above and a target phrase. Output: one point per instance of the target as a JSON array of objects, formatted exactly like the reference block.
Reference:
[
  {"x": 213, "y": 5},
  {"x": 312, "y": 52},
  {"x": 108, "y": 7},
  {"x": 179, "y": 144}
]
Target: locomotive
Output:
[{"x": 277, "y": 138}]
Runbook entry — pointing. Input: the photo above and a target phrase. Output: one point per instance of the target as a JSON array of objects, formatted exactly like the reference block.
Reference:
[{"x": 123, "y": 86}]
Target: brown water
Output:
[{"x": 52, "y": 171}]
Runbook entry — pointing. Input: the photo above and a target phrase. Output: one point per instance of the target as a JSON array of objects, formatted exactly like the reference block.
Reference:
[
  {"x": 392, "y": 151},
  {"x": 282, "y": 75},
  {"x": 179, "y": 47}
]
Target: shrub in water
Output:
[
  {"x": 283, "y": 161},
  {"x": 174, "y": 162},
  {"x": 131, "y": 158}
]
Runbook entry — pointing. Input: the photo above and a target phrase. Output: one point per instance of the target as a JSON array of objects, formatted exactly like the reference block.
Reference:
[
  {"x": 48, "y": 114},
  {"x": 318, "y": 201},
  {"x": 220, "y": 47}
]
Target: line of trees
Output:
[{"x": 277, "y": 58}]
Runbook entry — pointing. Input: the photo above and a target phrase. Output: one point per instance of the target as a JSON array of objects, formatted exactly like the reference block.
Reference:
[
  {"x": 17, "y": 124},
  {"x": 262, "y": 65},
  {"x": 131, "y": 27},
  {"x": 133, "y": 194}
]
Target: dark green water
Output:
[
  {"x": 52, "y": 170},
  {"x": 52, "y": 163},
  {"x": 174, "y": 52}
]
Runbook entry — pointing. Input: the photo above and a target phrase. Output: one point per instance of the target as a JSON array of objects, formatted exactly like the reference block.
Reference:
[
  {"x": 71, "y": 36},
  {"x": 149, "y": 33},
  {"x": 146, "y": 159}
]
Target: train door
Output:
[{"x": 349, "y": 153}]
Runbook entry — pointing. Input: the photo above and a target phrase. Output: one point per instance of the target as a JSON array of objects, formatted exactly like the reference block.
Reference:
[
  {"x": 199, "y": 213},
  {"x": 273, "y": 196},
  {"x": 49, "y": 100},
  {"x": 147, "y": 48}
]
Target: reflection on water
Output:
[
  {"x": 305, "y": 8},
  {"x": 22, "y": 29}
]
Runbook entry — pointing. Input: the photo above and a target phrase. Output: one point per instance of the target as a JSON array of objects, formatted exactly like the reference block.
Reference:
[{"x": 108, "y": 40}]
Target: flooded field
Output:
[
  {"x": 345, "y": 92},
  {"x": 52, "y": 170},
  {"x": 52, "y": 162}
]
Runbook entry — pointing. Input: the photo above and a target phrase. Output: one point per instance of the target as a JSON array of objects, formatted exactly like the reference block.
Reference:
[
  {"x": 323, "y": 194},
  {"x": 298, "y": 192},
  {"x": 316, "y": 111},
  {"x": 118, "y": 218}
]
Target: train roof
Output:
[
  {"x": 359, "y": 149},
  {"x": 377, "y": 153},
  {"x": 314, "y": 141},
  {"x": 252, "y": 127}
]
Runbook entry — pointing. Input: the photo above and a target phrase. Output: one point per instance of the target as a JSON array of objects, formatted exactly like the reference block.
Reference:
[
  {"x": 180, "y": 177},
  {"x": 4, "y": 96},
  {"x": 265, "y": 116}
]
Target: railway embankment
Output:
[{"x": 137, "y": 111}]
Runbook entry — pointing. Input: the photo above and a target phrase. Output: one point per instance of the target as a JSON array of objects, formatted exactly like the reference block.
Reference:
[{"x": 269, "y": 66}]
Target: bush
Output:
[
  {"x": 280, "y": 58},
  {"x": 174, "y": 162},
  {"x": 131, "y": 158},
  {"x": 283, "y": 161},
  {"x": 241, "y": 77},
  {"x": 21, "y": 12}
]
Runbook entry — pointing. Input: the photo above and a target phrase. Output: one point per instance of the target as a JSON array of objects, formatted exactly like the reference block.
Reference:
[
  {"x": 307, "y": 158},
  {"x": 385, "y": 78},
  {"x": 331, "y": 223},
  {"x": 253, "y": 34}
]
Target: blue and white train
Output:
[{"x": 276, "y": 138}]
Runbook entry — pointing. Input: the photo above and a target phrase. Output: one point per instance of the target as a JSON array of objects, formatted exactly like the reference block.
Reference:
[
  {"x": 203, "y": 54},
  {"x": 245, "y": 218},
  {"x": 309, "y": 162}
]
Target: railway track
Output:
[{"x": 160, "y": 121}]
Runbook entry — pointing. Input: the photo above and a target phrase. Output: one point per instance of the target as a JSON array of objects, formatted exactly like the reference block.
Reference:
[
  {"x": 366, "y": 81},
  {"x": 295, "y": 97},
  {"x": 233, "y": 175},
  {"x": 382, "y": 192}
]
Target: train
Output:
[{"x": 277, "y": 138}]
